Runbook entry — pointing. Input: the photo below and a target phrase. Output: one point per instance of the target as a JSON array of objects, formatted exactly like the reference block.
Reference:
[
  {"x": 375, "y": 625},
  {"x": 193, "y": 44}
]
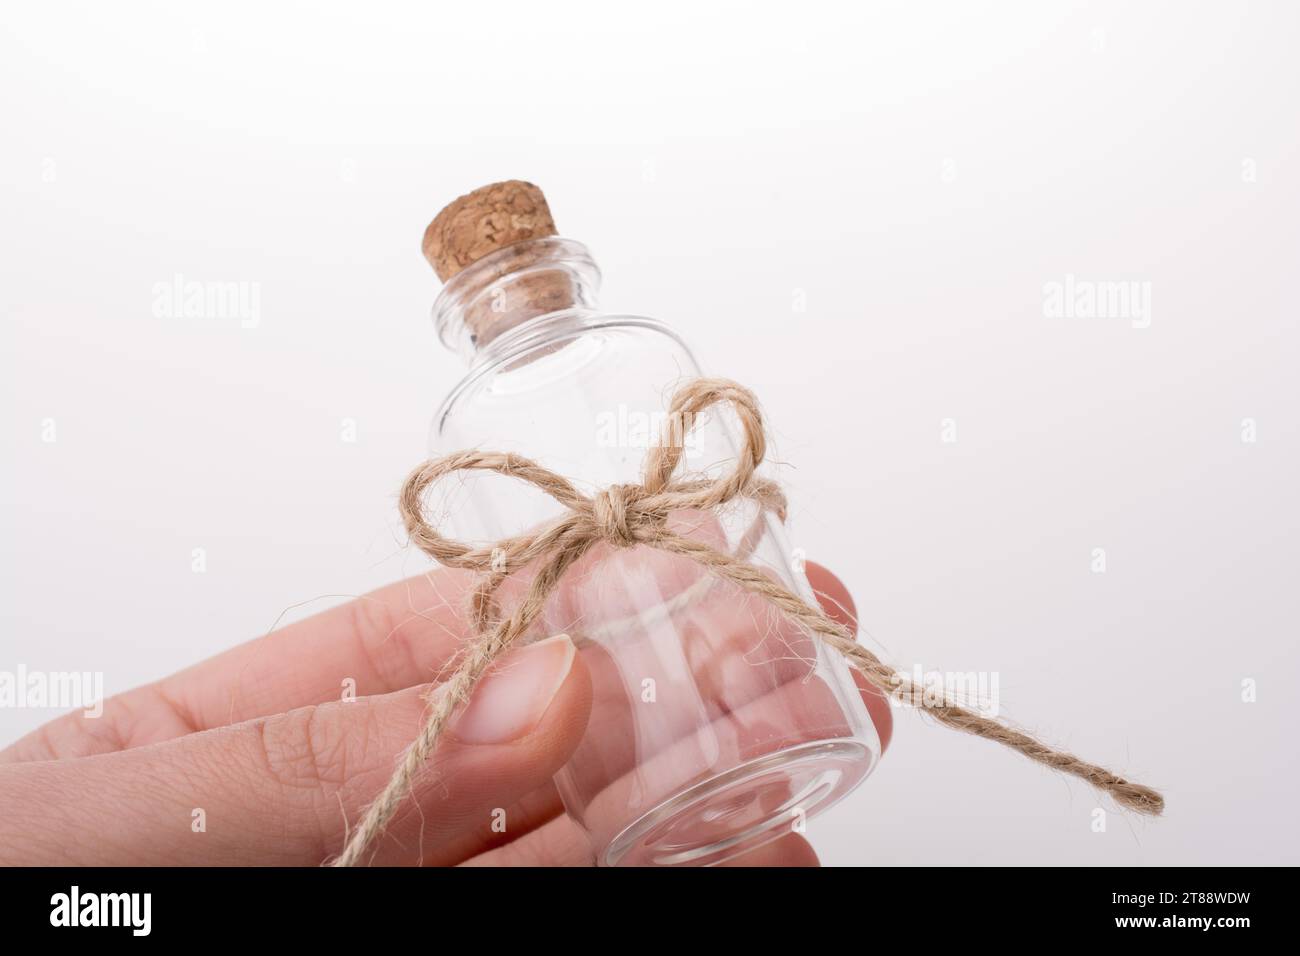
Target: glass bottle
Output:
[{"x": 716, "y": 724}]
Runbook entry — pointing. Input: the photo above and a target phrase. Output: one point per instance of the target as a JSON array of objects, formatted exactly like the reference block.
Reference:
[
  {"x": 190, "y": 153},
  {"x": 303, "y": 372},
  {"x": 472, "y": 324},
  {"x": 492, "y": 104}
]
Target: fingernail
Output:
[{"x": 512, "y": 699}]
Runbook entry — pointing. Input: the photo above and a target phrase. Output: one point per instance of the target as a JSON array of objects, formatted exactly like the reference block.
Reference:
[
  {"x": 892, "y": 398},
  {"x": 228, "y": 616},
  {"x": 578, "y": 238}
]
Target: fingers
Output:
[
  {"x": 623, "y": 766},
  {"x": 399, "y": 636},
  {"x": 838, "y": 604},
  {"x": 308, "y": 656},
  {"x": 794, "y": 714},
  {"x": 729, "y": 653},
  {"x": 789, "y": 850},
  {"x": 396, "y": 637},
  {"x": 283, "y": 790},
  {"x": 561, "y": 842},
  {"x": 832, "y": 595}
]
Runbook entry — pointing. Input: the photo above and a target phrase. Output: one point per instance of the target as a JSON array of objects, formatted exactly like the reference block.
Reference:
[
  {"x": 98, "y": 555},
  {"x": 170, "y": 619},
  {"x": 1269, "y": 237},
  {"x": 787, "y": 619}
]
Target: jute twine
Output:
[{"x": 626, "y": 516}]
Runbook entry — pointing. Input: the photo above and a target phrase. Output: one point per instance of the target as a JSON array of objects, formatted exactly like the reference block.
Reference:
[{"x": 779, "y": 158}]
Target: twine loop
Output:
[{"x": 627, "y": 515}]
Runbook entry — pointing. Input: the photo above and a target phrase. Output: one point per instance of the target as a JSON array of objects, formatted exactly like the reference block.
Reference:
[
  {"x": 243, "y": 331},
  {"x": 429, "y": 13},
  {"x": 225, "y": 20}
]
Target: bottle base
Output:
[{"x": 744, "y": 808}]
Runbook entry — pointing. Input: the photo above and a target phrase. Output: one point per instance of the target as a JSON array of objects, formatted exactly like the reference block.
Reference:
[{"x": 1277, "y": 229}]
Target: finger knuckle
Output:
[
  {"x": 381, "y": 639},
  {"x": 300, "y": 753}
]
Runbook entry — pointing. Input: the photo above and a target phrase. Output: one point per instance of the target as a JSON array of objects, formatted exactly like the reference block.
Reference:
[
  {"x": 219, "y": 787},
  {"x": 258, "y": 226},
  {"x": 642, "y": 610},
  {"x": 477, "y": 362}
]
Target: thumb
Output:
[{"x": 285, "y": 789}]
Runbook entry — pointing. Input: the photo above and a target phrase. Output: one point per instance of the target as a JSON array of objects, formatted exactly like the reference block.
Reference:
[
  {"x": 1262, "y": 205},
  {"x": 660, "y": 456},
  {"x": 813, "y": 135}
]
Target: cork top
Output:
[
  {"x": 484, "y": 221},
  {"x": 502, "y": 264}
]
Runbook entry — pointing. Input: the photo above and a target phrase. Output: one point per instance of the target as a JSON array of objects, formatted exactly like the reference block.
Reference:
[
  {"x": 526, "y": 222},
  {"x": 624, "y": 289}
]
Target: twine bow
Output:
[{"x": 631, "y": 515}]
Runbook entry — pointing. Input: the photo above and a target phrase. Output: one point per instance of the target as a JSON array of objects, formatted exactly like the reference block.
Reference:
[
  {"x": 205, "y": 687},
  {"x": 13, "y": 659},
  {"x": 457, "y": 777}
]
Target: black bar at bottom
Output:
[{"x": 437, "y": 908}]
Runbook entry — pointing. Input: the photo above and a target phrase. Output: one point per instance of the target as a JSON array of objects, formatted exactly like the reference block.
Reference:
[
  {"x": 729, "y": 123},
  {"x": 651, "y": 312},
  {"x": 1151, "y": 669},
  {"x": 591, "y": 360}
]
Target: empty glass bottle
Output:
[{"x": 717, "y": 725}]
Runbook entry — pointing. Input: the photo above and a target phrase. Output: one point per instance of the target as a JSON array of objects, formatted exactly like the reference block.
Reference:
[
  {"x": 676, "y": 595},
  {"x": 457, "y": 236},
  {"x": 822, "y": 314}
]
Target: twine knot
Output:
[
  {"x": 636, "y": 514},
  {"x": 613, "y": 508}
]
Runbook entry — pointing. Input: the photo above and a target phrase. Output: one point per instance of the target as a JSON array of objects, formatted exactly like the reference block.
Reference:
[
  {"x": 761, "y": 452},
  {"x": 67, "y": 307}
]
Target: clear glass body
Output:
[{"x": 717, "y": 725}]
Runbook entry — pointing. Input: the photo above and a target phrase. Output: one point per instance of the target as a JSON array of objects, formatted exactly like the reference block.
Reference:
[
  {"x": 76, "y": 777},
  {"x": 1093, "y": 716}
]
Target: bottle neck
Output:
[{"x": 516, "y": 284}]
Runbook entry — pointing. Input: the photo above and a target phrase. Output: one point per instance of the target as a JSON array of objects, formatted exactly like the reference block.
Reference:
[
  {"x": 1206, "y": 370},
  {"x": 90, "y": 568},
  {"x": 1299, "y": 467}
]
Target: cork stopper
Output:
[
  {"x": 521, "y": 268},
  {"x": 481, "y": 222}
]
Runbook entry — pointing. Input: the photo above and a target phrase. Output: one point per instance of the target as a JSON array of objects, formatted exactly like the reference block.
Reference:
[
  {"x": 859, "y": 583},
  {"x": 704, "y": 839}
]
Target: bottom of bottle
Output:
[{"x": 744, "y": 808}]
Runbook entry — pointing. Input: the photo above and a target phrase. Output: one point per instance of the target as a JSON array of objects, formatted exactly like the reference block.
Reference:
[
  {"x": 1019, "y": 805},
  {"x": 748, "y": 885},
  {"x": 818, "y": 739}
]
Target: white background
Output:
[{"x": 915, "y": 173}]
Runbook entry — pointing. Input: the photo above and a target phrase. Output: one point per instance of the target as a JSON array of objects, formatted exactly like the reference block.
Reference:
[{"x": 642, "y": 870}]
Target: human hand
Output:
[{"x": 257, "y": 745}]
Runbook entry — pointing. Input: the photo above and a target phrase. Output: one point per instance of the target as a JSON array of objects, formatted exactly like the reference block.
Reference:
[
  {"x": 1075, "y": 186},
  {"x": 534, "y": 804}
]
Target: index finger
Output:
[{"x": 398, "y": 636}]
